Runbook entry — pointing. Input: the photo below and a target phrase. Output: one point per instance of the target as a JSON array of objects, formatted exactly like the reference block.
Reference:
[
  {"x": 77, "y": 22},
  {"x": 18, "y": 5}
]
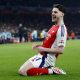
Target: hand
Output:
[{"x": 34, "y": 46}]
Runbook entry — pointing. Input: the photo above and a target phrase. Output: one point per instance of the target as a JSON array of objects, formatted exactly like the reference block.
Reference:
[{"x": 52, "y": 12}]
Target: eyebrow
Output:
[{"x": 54, "y": 11}]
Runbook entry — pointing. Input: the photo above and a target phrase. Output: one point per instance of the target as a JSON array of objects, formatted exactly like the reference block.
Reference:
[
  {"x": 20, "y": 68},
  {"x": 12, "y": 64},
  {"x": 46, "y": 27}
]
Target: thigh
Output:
[
  {"x": 36, "y": 60},
  {"x": 33, "y": 62},
  {"x": 26, "y": 66}
]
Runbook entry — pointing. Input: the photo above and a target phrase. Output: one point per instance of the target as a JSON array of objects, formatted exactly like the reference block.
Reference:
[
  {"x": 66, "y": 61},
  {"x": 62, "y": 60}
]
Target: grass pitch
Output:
[{"x": 12, "y": 56}]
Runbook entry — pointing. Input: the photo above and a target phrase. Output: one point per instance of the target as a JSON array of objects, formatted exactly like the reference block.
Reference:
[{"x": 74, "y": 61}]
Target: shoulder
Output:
[
  {"x": 62, "y": 27},
  {"x": 62, "y": 31}
]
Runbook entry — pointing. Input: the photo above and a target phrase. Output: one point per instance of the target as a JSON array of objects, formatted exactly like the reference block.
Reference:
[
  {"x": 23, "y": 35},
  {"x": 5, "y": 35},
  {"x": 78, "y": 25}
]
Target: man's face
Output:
[{"x": 56, "y": 15}]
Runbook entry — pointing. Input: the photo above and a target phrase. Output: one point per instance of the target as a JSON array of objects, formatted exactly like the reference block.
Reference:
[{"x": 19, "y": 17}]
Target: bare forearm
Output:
[{"x": 52, "y": 50}]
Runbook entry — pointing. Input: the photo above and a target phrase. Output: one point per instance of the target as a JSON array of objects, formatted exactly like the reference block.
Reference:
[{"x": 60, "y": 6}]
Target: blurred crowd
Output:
[
  {"x": 20, "y": 33},
  {"x": 33, "y": 27}
]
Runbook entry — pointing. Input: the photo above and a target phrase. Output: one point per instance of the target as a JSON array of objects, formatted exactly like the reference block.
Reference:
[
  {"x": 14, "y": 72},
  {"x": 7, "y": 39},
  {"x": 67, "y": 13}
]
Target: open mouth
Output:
[{"x": 53, "y": 17}]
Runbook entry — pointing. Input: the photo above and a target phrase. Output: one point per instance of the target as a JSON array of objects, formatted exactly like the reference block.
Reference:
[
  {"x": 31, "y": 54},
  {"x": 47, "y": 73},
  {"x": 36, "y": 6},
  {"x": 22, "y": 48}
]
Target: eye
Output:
[{"x": 55, "y": 12}]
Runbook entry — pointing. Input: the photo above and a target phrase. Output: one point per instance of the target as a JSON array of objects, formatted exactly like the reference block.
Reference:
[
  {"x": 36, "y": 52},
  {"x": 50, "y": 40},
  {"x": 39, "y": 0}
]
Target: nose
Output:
[{"x": 53, "y": 13}]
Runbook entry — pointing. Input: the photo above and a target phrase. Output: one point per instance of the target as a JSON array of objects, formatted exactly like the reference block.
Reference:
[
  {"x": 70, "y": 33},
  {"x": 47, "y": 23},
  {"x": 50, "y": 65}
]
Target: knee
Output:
[{"x": 22, "y": 72}]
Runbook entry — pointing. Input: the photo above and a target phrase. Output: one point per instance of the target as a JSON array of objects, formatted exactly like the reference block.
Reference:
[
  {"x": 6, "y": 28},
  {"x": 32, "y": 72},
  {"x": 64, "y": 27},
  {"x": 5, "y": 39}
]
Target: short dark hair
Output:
[{"x": 60, "y": 7}]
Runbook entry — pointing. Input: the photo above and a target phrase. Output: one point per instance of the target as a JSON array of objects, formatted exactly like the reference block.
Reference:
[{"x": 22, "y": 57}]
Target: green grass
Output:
[{"x": 12, "y": 56}]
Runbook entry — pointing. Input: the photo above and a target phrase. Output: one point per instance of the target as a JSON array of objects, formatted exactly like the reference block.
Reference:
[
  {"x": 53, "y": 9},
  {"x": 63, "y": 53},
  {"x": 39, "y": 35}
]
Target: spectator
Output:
[
  {"x": 72, "y": 35},
  {"x": 34, "y": 35},
  {"x": 20, "y": 32}
]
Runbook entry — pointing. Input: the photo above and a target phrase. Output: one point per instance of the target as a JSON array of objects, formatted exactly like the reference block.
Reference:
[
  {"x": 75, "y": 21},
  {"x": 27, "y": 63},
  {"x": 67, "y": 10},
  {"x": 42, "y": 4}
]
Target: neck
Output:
[{"x": 60, "y": 22}]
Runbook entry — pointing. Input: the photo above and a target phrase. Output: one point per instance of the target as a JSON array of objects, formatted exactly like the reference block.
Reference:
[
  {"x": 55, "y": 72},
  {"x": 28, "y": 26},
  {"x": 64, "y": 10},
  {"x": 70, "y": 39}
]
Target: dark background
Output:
[{"x": 36, "y": 14}]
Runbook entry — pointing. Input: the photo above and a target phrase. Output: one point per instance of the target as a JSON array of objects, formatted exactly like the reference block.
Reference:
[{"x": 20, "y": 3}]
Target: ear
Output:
[{"x": 62, "y": 14}]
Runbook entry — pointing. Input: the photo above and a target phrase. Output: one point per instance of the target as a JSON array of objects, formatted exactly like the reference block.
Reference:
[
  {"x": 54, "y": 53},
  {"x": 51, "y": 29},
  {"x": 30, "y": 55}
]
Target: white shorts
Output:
[{"x": 41, "y": 61}]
